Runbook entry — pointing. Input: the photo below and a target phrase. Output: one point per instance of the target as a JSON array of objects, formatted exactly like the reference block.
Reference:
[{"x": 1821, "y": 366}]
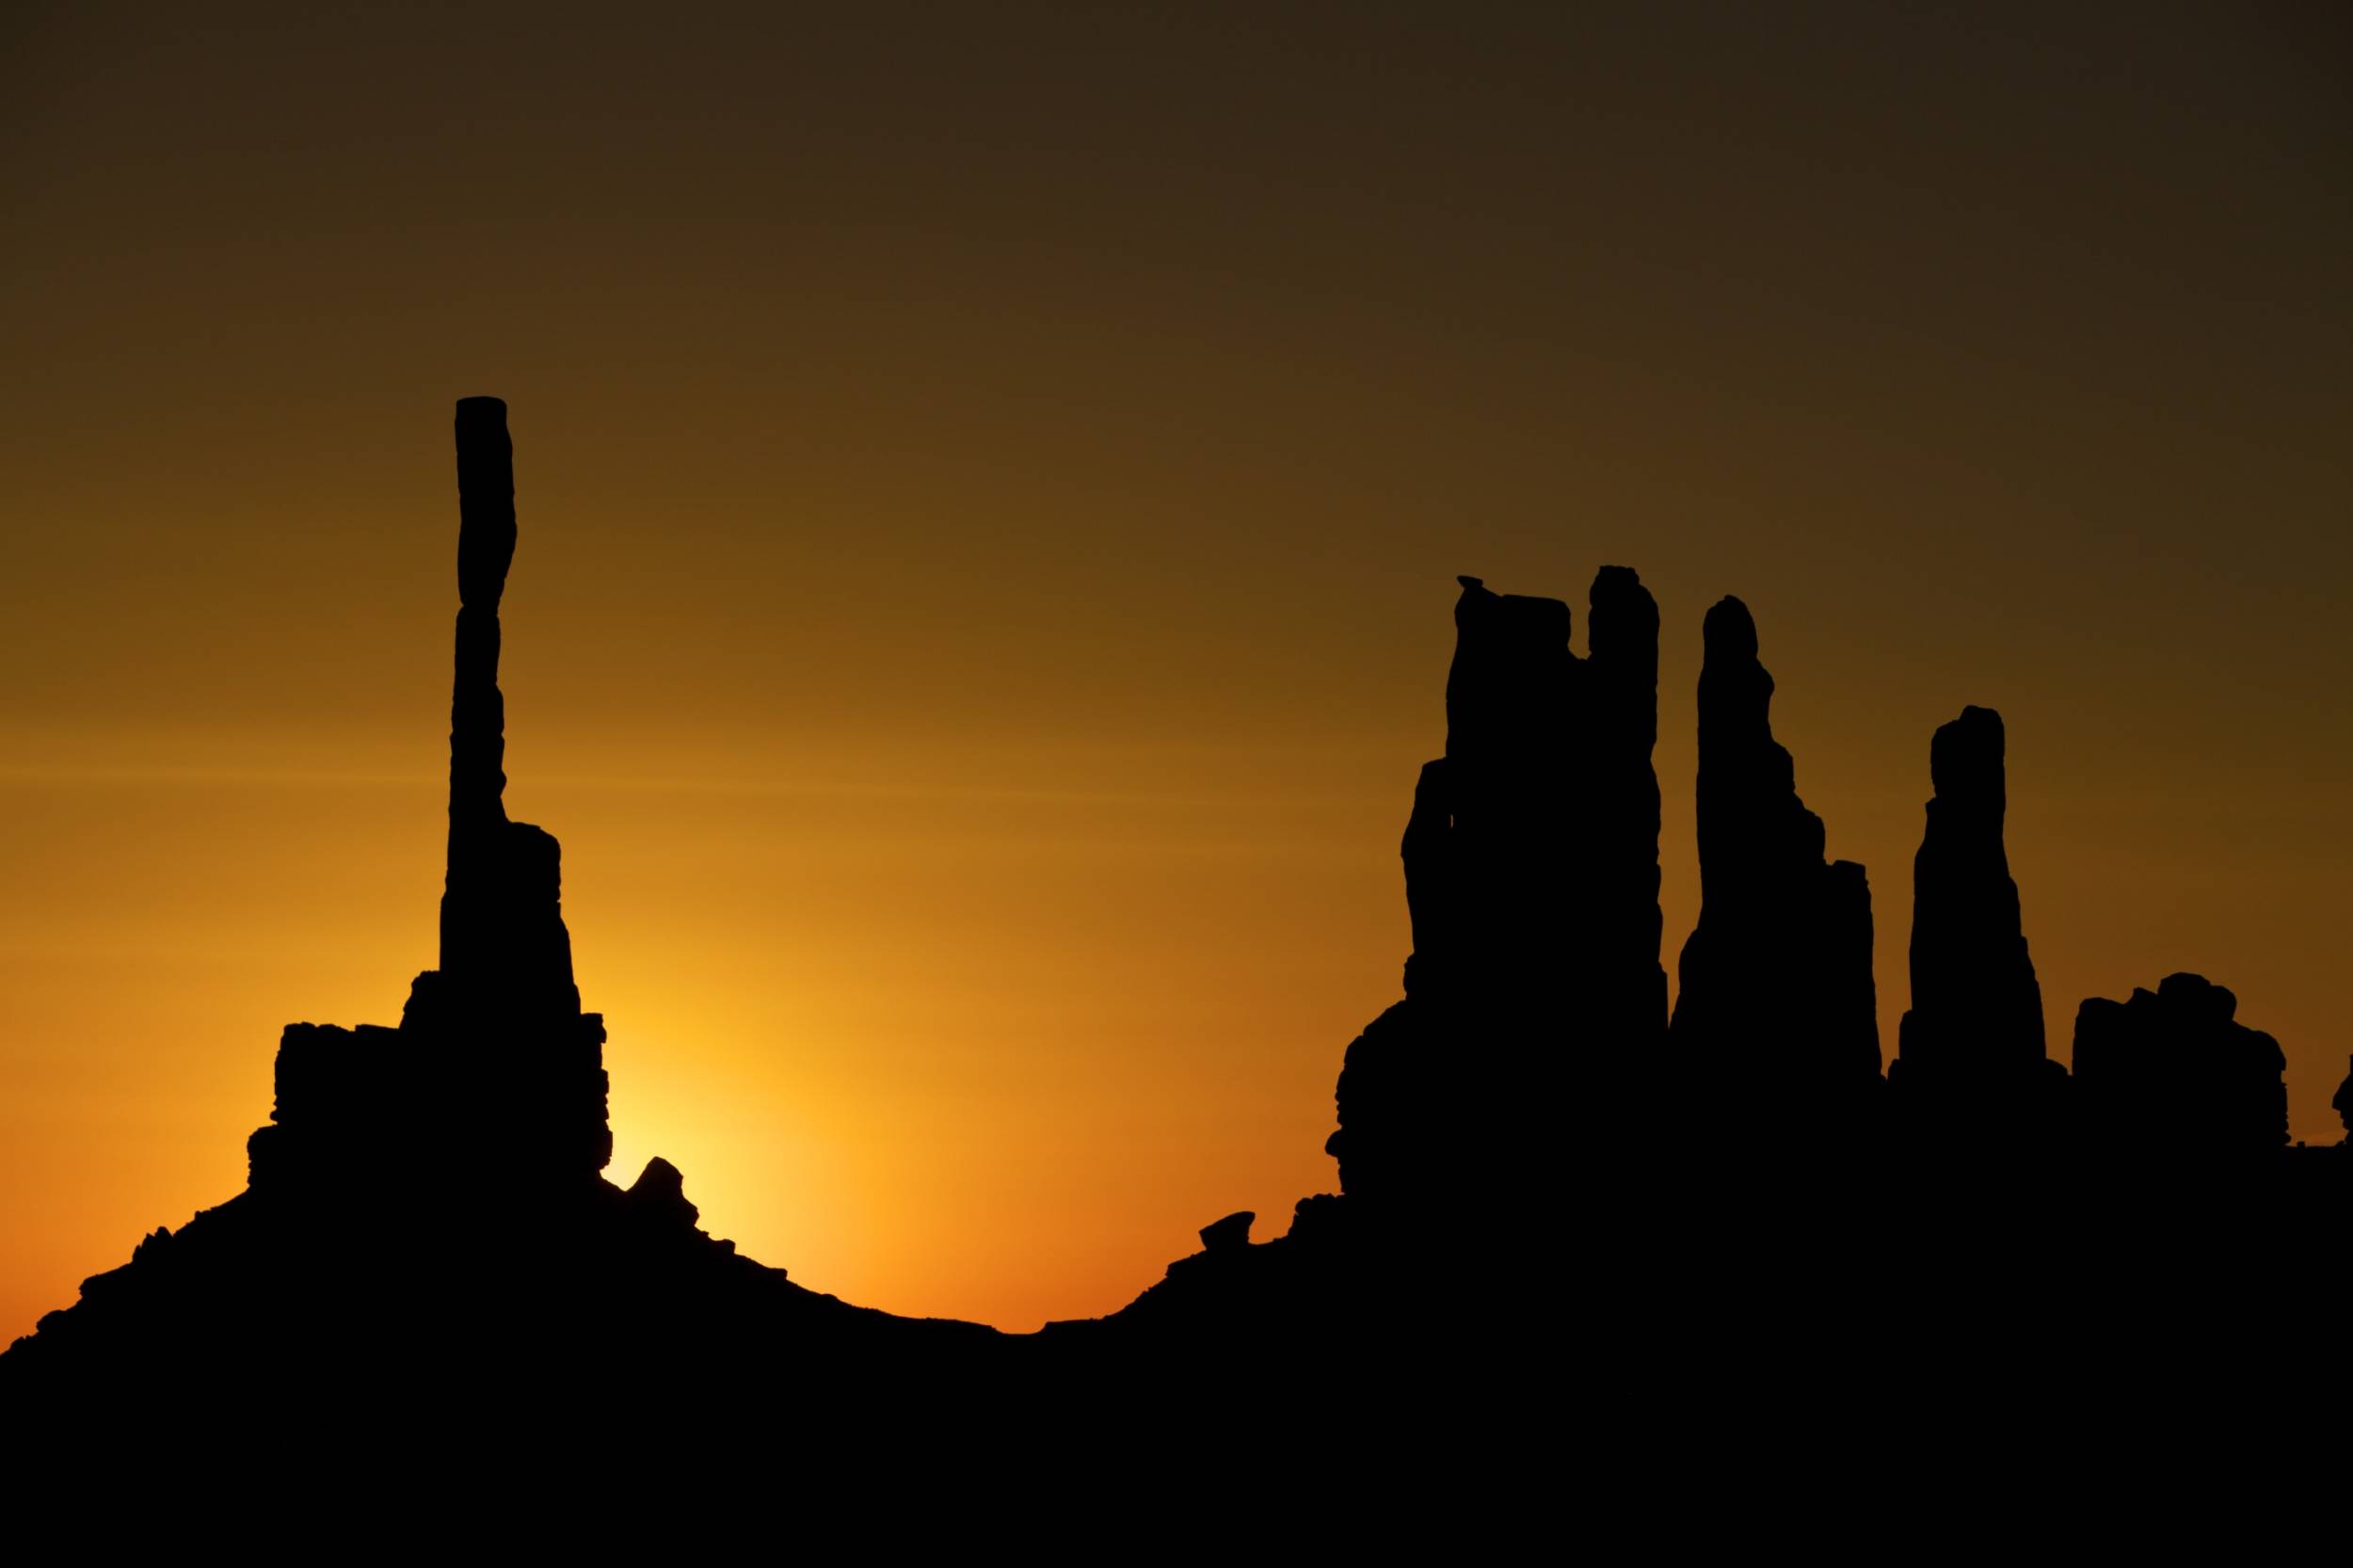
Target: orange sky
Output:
[{"x": 991, "y": 483}]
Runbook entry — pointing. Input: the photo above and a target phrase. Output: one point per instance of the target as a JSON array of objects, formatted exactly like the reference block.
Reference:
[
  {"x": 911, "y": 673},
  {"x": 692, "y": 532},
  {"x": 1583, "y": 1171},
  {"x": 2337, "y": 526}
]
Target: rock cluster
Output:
[
  {"x": 1525, "y": 1221},
  {"x": 2170, "y": 1078}
]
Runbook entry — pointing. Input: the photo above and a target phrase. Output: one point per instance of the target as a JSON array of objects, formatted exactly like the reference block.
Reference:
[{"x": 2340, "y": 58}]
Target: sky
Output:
[{"x": 991, "y": 483}]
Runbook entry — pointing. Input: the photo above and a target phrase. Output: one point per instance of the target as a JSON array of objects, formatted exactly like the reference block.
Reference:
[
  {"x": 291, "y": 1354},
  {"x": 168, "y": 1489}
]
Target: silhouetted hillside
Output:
[{"x": 1516, "y": 1245}]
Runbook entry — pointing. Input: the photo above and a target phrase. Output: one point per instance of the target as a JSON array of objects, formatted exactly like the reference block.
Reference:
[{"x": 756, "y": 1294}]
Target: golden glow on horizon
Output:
[{"x": 989, "y": 504}]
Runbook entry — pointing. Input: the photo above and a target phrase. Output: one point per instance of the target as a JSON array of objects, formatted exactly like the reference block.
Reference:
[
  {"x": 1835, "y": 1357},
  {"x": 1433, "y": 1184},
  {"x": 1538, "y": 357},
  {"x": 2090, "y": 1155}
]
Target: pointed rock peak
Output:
[
  {"x": 660, "y": 1193},
  {"x": 1477, "y": 601},
  {"x": 1777, "y": 1012},
  {"x": 1972, "y": 1044},
  {"x": 486, "y": 498},
  {"x": 1729, "y": 631},
  {"x": 1516, "y": 620},
  {"x": 2196, "y": 997},
  {"x": 1231, "y": 1234},
  {"x": 659, "y": 1179},
  {"x": 1621, "y": 622},
  {"x": 1965, "y": 756},
  {"x": 1615, "y": 586}
]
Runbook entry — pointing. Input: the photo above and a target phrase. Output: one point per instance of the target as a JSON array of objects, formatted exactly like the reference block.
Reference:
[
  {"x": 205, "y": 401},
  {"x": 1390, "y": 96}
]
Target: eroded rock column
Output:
[
  {"x": 1971, "y": 1064},
  {"x": 1535, "y": 1003},
  {"x": 1775, "y": 1024}
]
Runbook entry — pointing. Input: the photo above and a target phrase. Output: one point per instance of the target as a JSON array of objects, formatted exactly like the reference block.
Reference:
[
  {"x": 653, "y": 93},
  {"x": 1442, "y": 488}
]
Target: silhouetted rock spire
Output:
[
  {"x": 1531, "y": 877},
  {"x": 1625, "y": 984},
  {"x": 504, "y": 944},
  {"x": 1776, "y": 1022},
  {"x": 502, "y": 1010},
  {"x": 1513, "y": 709},
  {"x": 1970, "y": 1058}
]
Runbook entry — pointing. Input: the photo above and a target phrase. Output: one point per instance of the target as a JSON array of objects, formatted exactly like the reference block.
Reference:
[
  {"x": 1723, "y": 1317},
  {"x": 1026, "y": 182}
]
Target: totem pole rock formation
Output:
[
  {"x": 1531, "y": 879},
  {"x": 1971, "y": 1061},
  {"x": 2170, "y": 1078},
  {"x": 1776, "y": 1023},
  {"x": 502, "y": 1009},
  {"x": 424, "y": 1245},
  {"x": 503, "y": 947}
]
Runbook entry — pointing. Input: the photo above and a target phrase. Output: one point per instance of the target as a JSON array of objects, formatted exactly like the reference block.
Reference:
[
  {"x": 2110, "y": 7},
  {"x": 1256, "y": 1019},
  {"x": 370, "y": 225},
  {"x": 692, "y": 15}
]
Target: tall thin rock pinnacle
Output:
[
  {"x": 1776, "y": 1023},
  {"x": 504, "y": 944}
]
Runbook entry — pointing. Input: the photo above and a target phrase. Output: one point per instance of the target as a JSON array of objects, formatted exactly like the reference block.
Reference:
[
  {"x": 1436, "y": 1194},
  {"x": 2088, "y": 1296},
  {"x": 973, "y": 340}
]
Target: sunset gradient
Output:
[{"x": 991, "y": 482}]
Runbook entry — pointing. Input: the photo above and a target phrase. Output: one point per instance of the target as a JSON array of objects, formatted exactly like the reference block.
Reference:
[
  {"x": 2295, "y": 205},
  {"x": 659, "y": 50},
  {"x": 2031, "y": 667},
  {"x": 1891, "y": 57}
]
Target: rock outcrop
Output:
[
  {"x": 2172, "y": 1079},
  {"x": 1776, "y": 1027},
  {"x": 1228, "y": 1234}
]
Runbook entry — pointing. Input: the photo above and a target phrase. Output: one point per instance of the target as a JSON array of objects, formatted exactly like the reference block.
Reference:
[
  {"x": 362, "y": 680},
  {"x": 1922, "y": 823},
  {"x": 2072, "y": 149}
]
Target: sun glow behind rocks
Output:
[{"x": 985, "y": 587}]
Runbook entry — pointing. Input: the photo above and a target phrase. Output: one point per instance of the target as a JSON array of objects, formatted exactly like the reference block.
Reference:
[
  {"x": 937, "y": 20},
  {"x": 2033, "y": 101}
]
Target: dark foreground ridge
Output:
[{"x": 1558, "y": 1208}]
